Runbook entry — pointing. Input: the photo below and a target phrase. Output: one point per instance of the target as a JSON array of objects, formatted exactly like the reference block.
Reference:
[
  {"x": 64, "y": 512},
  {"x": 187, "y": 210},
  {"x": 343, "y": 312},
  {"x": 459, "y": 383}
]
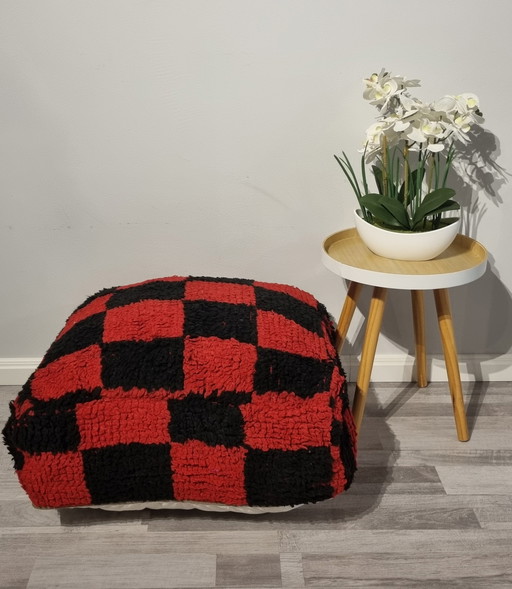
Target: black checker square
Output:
[
  {"x": 66, "y": 402},
  {"x": 336, "y": 433},
  {"x": 288, "y": 477},
  {"x": 49, "y": 430},
  {"x": 153, "y": 365},
  {"x": 162, "y": 290},
  {"x": 281, "y": 371},
  {"x": 222, "y": 320},
  {"x": 245, "y": 281},
  {"x": 100, "y": 293},
  {"x": 212, "y": 420},
  {"x": 348, "y": 455},
  {"x": 85, "y": 333},
  {"x": 290, "y": 307},
  {"x": 128, "y": 472}
]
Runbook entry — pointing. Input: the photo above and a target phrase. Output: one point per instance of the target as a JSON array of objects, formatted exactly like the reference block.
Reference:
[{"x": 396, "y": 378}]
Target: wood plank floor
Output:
[{"x": 425, "y": 510}]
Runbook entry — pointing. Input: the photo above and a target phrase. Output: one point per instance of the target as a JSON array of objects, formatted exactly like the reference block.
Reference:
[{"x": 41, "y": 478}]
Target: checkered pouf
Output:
[{"x": 187, "y": 389}]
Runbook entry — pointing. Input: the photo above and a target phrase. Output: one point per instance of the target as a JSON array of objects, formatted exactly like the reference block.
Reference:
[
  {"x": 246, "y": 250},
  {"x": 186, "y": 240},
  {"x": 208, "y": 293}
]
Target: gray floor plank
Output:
[
  {"x": 292, "y": 573},
  {"x": 469, "y": 479},
  {"x": 438, "y": 433},
  {"x": 462, "y": 456},
  {"x": 406, "y": 542},
  {"x": 434, "y": 569},
  {"x": 406, "y": 518},
  {"x": 127, "y": 571},
  {"x": 253, "y": 570},
  {"x": 14, "y": 569},
  {"x": 45, "y": 542}
]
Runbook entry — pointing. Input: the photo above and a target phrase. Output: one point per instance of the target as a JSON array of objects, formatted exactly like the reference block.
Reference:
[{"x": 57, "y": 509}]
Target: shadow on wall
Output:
[{"x": 477, "y": 178}]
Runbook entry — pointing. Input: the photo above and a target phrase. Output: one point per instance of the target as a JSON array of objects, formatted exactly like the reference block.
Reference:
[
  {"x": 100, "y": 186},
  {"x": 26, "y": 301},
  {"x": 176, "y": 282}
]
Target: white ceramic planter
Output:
[{"x": 403, "y": 245}]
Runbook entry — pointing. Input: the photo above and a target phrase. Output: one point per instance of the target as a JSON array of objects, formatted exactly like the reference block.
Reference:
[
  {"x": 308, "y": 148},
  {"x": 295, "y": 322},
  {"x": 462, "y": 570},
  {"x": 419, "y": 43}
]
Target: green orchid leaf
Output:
[
  {"x": 401, "y": 192},
  {"x": 377, "y": 174},
  {"x": 371, "y": 202},
  {"x": 415, "y": 181},
  {"x": 363, "y": 170},
  {"x": 449, "y": 205},
  {"x": 349, "y": 173},
  {"x": 397, "y": 209},
  {"x": 432, "y": 201}
]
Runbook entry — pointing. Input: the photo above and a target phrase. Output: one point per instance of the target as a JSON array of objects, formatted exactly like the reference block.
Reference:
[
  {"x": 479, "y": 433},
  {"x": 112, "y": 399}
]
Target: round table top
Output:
[{"x": 345, "y": 254}]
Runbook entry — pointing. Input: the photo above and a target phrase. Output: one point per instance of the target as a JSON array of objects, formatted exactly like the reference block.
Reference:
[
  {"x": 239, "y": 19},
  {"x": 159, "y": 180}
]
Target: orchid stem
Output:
[
  {"x": 406, "y": 174},
  {"x": 430, "y": 173},
  {"x": 384, "y": 149}
]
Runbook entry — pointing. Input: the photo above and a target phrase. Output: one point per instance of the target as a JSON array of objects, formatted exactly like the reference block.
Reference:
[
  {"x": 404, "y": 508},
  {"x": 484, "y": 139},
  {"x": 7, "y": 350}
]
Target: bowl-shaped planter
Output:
[{"x": 405, "y": 245}]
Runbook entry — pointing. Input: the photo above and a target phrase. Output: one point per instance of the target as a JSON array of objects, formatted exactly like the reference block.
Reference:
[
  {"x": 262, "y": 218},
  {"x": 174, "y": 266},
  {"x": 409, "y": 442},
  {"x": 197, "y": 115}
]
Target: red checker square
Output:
[
  {"x": 220, "y": 292},
  {"x": 339, "y": 479},
  {"x": 98, "y": 305},
  {"x": 279, "y": 333},
  {"x": 107, "y": 422},
  {"x": 214, "y": 364},
  {"x": 144, "y": 321},
  {"x": 327, "y": 331},
  {"x": 144, "y": 282},
  {"x": 55, "y": 480},
  {"x": 337, "y": 381},
  {"x": 208, "y": 473},
  {"x": 283, "y": 421},
  {"x": 293, "y": 291},
  {"x": 76, "y": 371},
  {"x": 141, "y": 393}
]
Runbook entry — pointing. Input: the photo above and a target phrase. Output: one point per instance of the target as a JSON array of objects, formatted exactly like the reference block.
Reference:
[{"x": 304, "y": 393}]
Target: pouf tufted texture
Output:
[{"x": 187, "y": 389}]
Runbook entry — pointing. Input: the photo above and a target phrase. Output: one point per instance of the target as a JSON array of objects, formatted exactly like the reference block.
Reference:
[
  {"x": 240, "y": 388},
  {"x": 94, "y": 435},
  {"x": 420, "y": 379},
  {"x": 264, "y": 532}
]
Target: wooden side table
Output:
[{"x": 464, "y": 261}]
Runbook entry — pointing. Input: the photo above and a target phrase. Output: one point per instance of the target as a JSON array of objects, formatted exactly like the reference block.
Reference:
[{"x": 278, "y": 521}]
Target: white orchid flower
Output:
[
  {"x": 375, "y": 132},
  {"x": 410, "y": 125},
  {"x": 433, "y": 129},
  {"x": 380, "y": 92},
  {"x": 463, "y": 122},
  {"x": 382, "y": 87},
  {"x": 435, "y": 147},
  {"x": 415, "y": 134},
  {"x": 395, "y": 121},
  {"x": 445, "y": 104},
  {"x": 463, "y": 106},
  {"x": 401, "y": 125},
  {"x": 468, "y": 101},
  {"x": 408, "y": 104},
  {"x": 456, "y": 131},
  {"x": 371, "y": 151}
]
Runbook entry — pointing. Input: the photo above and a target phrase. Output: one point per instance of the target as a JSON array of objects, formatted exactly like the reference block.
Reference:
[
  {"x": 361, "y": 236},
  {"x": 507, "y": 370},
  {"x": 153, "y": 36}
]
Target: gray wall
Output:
[{"x": 144, "y": 139}]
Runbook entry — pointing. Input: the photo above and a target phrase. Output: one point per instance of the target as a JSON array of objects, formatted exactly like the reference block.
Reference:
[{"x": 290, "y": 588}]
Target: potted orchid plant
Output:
[{"x": 410, "y": 150}]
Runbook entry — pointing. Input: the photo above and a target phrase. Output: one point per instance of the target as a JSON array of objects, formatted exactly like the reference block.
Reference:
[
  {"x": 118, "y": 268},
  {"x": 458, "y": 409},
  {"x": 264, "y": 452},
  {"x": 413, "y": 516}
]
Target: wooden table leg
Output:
[
  {"x": 368, "y": 354},
  {"x": 349, "y": 306},
  {"x": 444, "y": 317},
  {"x": 418, "y": 316}
]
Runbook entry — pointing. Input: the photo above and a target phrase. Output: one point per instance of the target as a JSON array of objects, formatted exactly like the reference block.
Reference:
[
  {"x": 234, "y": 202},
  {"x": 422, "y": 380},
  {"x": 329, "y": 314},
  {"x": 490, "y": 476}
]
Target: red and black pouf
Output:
[{"x": 187, "y": 389}]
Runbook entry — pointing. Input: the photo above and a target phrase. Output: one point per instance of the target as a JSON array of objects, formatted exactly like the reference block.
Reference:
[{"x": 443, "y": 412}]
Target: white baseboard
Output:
[
  {"x": 386, "y": 368},
  {"x": 400, "y": 368},
  {"x": 15, "y": 371}
]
